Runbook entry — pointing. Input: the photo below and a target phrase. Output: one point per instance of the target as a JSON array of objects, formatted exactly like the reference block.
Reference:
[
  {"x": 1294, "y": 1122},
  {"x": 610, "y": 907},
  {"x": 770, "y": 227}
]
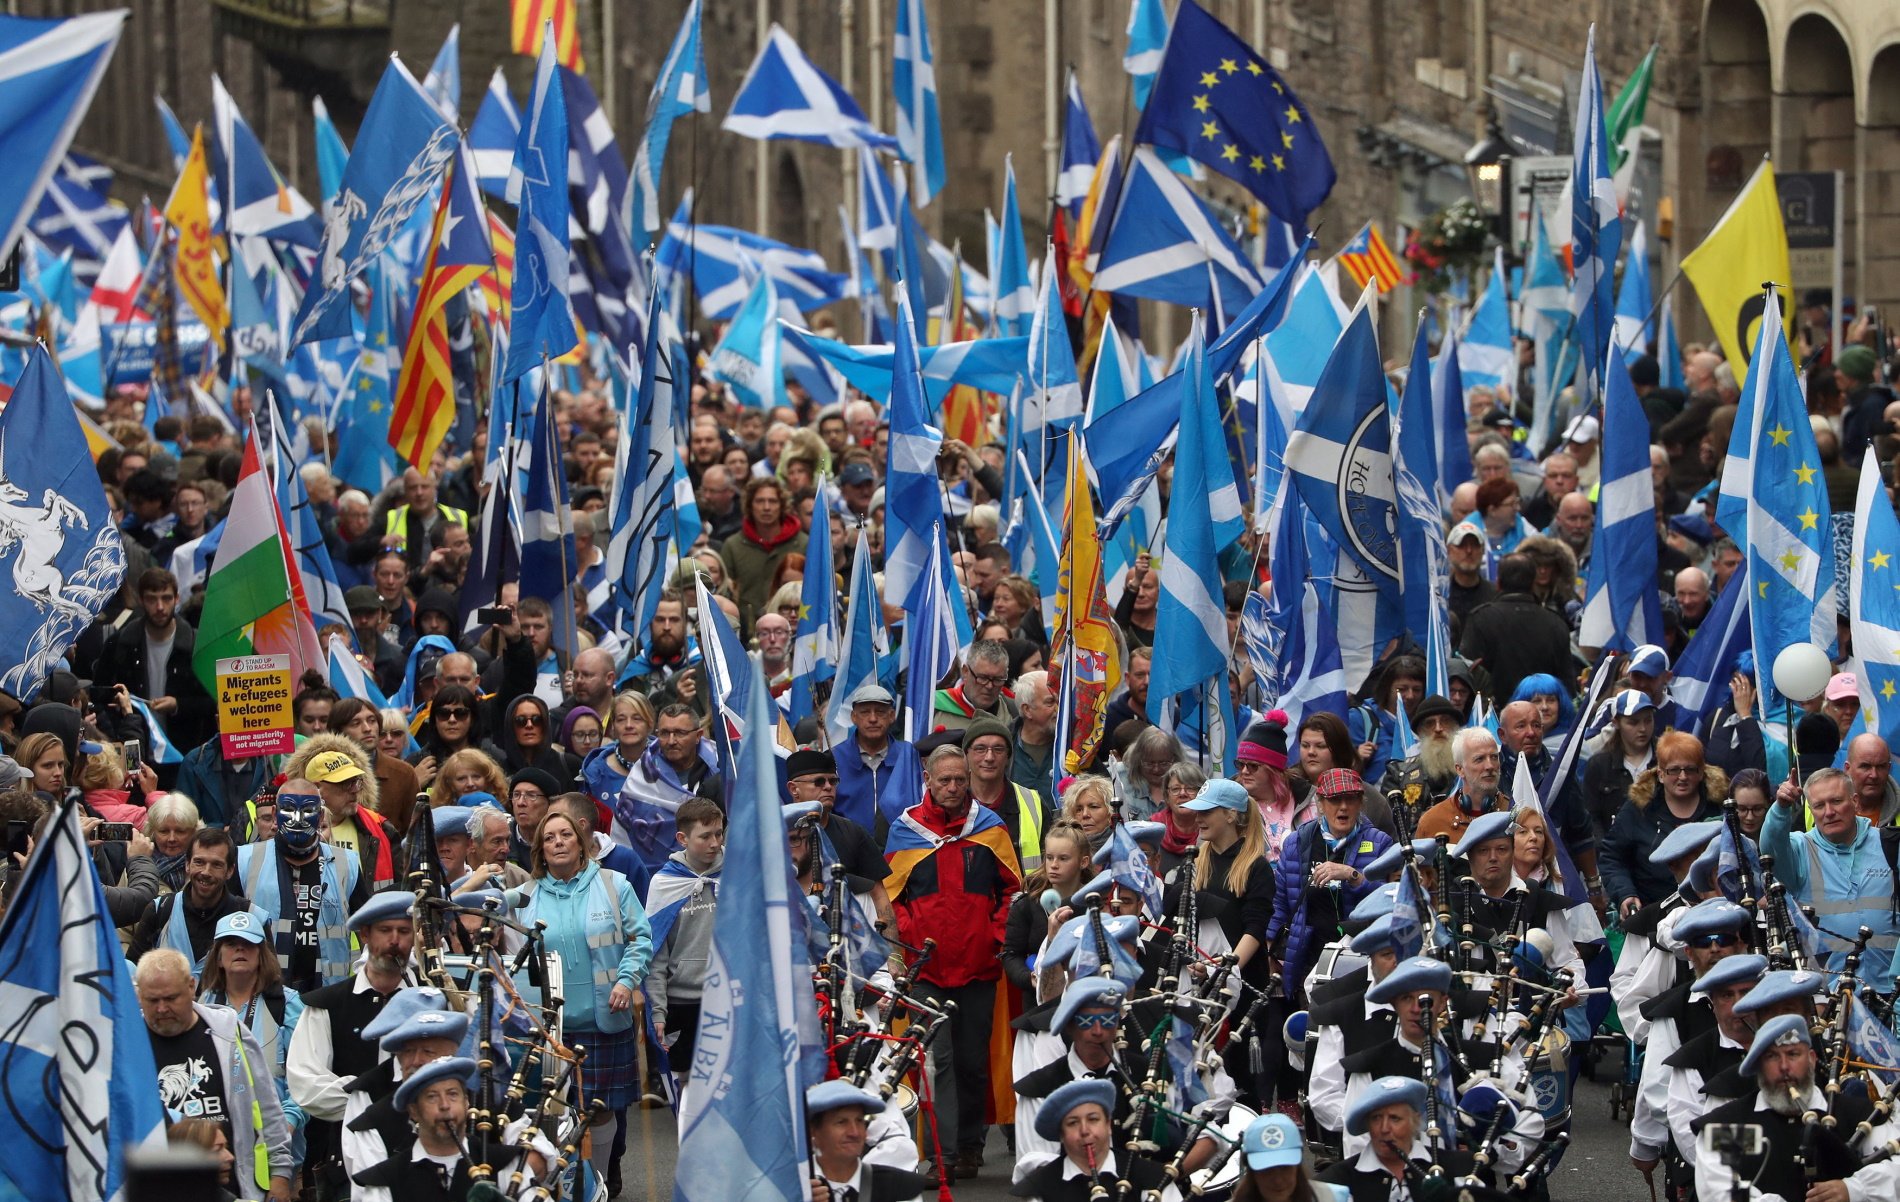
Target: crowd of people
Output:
[{"x": 1065, "y": 921}]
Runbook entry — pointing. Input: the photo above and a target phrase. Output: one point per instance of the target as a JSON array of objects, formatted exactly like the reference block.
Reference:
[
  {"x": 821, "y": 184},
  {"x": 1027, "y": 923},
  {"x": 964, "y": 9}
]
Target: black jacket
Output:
[
  {"x": 123, "y": 662},
  {"x": 1517, "y": 636}
]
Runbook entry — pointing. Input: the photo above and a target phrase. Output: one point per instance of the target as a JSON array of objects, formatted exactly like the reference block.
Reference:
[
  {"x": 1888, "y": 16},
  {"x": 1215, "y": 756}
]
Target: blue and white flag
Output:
[
  {"x": 815, "y": 638},
  {"x": 1291, "y": 633},
  {"x": 742, "y": 1116},
  {"x": 931, "y": 639},
  {"x": 639, "y": 552},
  {"x": 492, "y": 136},
  {"x": 1874, "y": 615},
  {"x": 679, "y": 89},
  {"x": 914, "y": 80},
  {"x": 722, "y": 262},
  {"x": 729, "y": 675},
  {"x": 402, "y": 148},
  {"x": 785, "y": 95},
  {"x": 1774, "y": 504},
  {"x": 1544, "y": 317},
  {"x": 1055, "y": 390},
  {"x": 1081, "y": 151},
  {"x": 988, "y": 364},
  {"x": 542, "y": 326},
  {"x": 864, "y": 646},
  {"x": 1872, "y": 1042},
  {"x": 75, "y": 216},
  {"x": 1448, "y": 407},
  {"x": 278, "y": 438},
  {"x": 877, "y": 204},
  {"x": 1669, "y": 352},
  {"x": 159, "y": 748},
  {"x": 75, "y": 1056},
  {"x": 48, "y": 72},
  {"x": 1486, "y": 356},
  {"x": 913, "y": 496},
  {"x": 1167, "y": 245},
  {"x": 1596, "y": 228},
  {"x": 496, "y": 555},
  {"x": 333, "y": 157},
  {"x": 748, "y": 356},
  {"x": 1634, "y": 298},
  {"x": 1424, "y": 560},
  {"x": 364, "y": 457},
  {"x": 1621, "y": 609},
  {"x": 547, "y": 521},
  {"x": 176, "y": 138},
  {"x": 349, "y": 678},
  {"x": 1147, "y": 42},
  {"x": 67, "y": 558},
  {"x": 1700, "y": 683},
  {"x": 1191, "y": 647},
  {"x": 1014, "y": 309},
  {"x": 257, "y": 201},
  {"x": 443, "y": 83}
]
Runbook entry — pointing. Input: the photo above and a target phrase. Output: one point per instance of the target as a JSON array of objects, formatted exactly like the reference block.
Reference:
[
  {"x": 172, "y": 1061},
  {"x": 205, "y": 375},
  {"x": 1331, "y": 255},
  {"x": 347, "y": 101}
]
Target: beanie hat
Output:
[
  {"x": 1856, "y": 363},
  {"x": 1265, "y": 741}
]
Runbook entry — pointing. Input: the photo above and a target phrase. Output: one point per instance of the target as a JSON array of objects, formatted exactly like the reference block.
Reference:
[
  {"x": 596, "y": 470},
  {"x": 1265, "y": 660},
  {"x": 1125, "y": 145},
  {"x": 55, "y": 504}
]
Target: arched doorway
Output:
[
  {"x": 788, "y": 200},
  {"x": 1814, "y": 117},
  {"x": 1879, "y": 275}
]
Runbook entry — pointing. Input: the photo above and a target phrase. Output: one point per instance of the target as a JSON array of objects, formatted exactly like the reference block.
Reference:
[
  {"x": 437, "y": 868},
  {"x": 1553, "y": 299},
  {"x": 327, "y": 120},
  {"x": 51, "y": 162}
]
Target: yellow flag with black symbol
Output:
[{"x": 1747, "y": 248}]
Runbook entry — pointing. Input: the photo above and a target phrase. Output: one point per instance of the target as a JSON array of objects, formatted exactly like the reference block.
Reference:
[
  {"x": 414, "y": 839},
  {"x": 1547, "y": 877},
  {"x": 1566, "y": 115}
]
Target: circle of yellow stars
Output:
[{"x": 1211, "y": 130}]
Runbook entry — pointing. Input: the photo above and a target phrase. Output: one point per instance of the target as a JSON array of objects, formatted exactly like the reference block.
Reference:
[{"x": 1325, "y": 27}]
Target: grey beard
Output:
[
  {"x": 1791, "y": 1100},
  {"x": 1434, "y": 755},
  {"x": 386, "y": 965}
]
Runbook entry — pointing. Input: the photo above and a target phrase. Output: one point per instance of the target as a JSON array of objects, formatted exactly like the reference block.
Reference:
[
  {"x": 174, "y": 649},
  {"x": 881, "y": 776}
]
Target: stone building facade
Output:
[{"x": 1400, "y": 89}]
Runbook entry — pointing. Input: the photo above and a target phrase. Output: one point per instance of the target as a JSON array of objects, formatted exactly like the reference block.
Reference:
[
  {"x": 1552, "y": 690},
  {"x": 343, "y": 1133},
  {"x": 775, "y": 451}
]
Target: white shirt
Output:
[
  {"x": 1326, "y": 1090},
  {"x": 1368, "y": 1162},
  {"x": 1875, "y": 1183},
  {"x": 1686, "y": 1102}
]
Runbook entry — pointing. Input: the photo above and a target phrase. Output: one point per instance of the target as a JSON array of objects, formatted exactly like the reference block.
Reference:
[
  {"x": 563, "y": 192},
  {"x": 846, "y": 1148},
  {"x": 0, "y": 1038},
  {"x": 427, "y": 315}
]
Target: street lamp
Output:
[{"x": 1488, "y": 168}]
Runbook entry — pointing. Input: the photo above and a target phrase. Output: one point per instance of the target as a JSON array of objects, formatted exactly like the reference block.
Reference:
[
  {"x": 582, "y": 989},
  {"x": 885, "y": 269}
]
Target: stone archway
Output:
[
  {"x": 1738, "y": 112},
  {"x": 1814, "y": 117},
  {"x": 1879, "y": 257},
  {"x": 788, "y": 199}
]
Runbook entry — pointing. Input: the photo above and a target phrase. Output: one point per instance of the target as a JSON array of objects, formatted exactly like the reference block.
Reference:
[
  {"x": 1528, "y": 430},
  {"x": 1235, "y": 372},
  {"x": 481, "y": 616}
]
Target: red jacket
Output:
[{"x": 958, "y": 894}]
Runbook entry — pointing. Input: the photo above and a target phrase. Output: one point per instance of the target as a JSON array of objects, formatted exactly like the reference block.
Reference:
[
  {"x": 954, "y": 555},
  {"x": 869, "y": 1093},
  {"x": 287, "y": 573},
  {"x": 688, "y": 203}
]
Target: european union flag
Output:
[
  {"x": 1875, "y": 614},
  {"x": 1221, "y": 104}
]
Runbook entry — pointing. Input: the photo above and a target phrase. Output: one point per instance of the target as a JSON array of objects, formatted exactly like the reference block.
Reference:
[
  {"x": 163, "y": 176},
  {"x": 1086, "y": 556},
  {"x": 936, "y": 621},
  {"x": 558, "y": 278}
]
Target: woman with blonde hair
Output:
[
  {"x": 1089, "y": 805},
  {"x": 1233, "y": 885},
  {"x": 468, "y": 771},
  {"x": 171, "y": 819}
]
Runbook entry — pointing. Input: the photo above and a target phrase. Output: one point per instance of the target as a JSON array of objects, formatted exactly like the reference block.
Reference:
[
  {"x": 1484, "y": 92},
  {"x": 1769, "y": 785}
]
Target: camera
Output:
[{"x": 114, "y": 832}]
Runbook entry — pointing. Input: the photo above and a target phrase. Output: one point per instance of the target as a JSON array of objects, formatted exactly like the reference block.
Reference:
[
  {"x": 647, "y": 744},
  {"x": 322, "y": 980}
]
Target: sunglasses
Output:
[
  {"x": 453, "y": 711},
  {"x": 818, "y": 782},
  {"x": 1097, "y": 1022},
  {"x": 1722, "y": 939},
  {"x": 1682, "y": 770},
  {"x": 529, "y": 720}
]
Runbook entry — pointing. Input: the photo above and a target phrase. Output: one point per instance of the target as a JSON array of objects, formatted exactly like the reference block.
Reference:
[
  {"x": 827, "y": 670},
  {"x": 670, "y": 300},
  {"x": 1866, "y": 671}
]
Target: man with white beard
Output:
[
  {"x": 1781, "y": 1061},
  {"x": 1419, "y": 782}
]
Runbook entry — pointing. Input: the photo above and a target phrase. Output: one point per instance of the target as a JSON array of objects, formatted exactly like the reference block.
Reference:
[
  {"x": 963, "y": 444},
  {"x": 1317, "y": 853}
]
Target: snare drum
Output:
[
  {"x": 905, "y": 1099},
  {"x": 1549, "y": 1085},
  {"x": 1229, "y": 1162},
  {"x": 1336, "y": 959}
]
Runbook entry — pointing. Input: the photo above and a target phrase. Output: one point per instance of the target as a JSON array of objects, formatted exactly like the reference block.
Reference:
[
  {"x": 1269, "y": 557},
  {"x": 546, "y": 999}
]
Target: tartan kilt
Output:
[{"x": 611, "y": 1071}]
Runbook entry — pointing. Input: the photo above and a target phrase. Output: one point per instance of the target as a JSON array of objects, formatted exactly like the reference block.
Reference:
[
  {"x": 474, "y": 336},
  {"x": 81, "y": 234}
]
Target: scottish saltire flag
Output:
[
  {"x": 1874, "y": 614},
  {"x": 1448, "y": 408},
  {"x": 1872, "y": 1042},
  {"x": 1596, "y": 228},
  {"x": 1424, "y": 561},
  {"x": 742, "y": 1117},
  {"x": 48, "y": 72},
  {"x": 348, "y": 676},
  {"x": 1221, "y": 104},
  {"x": 1081, "y": 150},
  {"x": 1621, "y": 610},
  {"x": 729, "y": 675},
  {"x": 80, "y": 1081},
  {"x": 74, "y": 217},
  {"x": 748, "y": 356},
  {"x": 687, "y": 524},
  {"x": 1634, "y": 298},
  {"x": 1147, "y": 40},
  {"x": 257, "y": 201},
  {"x": 1270, "y": 431},
  {"x": 278, "y": 439},
  {"x": 1544, "y": 318},
  {"x": 639, "y": 550},
  {"x": 785, "y": 95},
  {"x": 913, "y": 498},
  {"x": 548, "y": 564},
  {"x": 1291, "y": 639},
  {"x": 159, "y": 748},
  {"x": 1191, "y": 646},
  {"x": 1486, "y": 356},
  {"x": 1774, "y": 504},
  {"x": 333, "y": 156},
  {"x": 1127, "y": 446},
  {"x": 492, "y": 136},
  {"x": 1700, "y": 683},
  {"x": 914, "y": 80},
  {"x": 1055, "y": 390},
  {"x": 67, "y": 558},
  {"x": 864, "y": 646},
  {"x": 542, "y": 327},
  {"x": 722, "y": 262},
  {"x": 931, "y": 640},
  {"x": 877, "y": 204},
  {"x": 175, "y": 136},
  {"x": 1166, "y": 244},
  {"x": 1298, "y": 349},
  {"x": 679, "y": 89},
  {"x": 1014, "y": 308},
  {"x": 402, "y": 148},
  {"x": 443, "y": 83},
  {"x": 815, "y": 637}
]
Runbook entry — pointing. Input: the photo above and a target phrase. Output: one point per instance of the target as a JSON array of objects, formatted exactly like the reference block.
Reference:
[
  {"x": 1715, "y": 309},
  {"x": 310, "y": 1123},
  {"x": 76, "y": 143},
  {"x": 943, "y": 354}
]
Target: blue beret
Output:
[
  {"x": 1716, "y": 916},
  {"x": 1376, "y": 937},
  {"x": 1272, "y": 1141},
  {"x": 1220, "y": 794},
  {"x": 1148, "y": 834},
  {"x": 1702, "y": 872},
  {"x": 391, "y": 903},
  {"x": 798, "y": 810},
  {"x": 428, "y": 1024},
  {"x": 1376, "y": 904},
  {"x": 1479, "y": 1103},
  {"x": 1779, "y": 1031},
  {"x": 1686, "y": 840},
  {"x": 1782, "y": 985},
  {"x": 1389, "y": 861},
  {"x": 1386, "y": 1091},
  {"x": 479, "y": 799},
  {"x": 830, "y": 1095},
  {"x": 477, "y": 899},
  {"x": 1057, "y": 1105},
  {"x": 1062, "y": 946},
  {"x": 461, "y": 1068},
  {"x": 451, "y": 820},
  {"x": 1083, "y": 993},
  {"x": 1483, "y": 829},
  {"x": 1416, "y": 975},
  {"x": 1104, "y": 881},
  {"x": 405, "y": 1002},
  {"x": 1731, "y": 970}
]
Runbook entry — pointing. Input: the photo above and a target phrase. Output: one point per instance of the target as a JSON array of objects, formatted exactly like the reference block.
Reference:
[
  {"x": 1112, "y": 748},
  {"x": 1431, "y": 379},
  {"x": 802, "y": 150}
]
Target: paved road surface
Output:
[{"x": 1596, "y": 1168}]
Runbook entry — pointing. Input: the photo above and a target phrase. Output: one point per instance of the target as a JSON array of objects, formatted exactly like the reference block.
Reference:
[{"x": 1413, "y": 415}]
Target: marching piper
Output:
[
  {"x": 1393, "y": 1158},
  {"x": 435, "y": 1099},
  {"x": 837, "y": 1121},
  {"x": 1646, "y": 966},
  {"x": 1079, "y": 1119},
  {"x": 1349, "y": 1023},
  {"x": 1702, "y": 1061}
]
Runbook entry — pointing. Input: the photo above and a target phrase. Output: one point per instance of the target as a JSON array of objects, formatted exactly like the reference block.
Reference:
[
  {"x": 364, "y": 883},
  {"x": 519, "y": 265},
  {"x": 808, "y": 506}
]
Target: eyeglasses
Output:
[
  {"x": 995, "y": 682},
  {"x": 527, "y": 795},
  {"x": 1681, "y": 770},
  {"x": 1097, "y": 1022},
  {"x": 452, "y": 711},
  {"x": 529, "y": 720},
  {"x": 817, "y": 782}
]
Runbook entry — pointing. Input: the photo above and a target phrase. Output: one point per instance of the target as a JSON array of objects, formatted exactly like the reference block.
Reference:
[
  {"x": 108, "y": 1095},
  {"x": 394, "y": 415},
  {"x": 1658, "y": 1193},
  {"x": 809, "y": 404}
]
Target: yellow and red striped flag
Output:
[
  {"x": 424, "y": 407},
  {"x": 1367, "y": 257},
  {"x": 498, "y": 285},
  {"x": 529, "y": 20},
  {"x": 189, "y": 210}
]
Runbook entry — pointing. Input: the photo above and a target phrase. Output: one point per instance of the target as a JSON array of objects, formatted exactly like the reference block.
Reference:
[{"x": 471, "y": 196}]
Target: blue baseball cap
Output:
[
  {"x": 1272, "y": 1141},
  {"x": 240, "y": 924},
  {"x": 1220, "y": 794}
]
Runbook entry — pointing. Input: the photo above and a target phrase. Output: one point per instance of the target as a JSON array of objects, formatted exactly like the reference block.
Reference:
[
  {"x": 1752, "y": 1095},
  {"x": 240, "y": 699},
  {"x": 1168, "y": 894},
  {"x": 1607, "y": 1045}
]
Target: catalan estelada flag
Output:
[
  {"x": 1367, "y": 257},
  {"x": 527, "y": 18},
  {"x": 498, "y": 285},
  {"x": 424, "y": 407}
]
